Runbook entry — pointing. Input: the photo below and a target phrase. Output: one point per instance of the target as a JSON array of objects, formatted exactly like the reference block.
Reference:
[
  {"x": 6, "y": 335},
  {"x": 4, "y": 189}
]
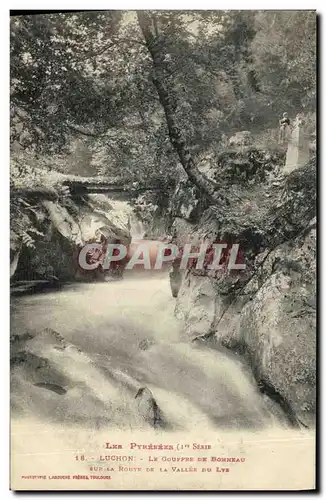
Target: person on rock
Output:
[{"x": 285, "y": 129}]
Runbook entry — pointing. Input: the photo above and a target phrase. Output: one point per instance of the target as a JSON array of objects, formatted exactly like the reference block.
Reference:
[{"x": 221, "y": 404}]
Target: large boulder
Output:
[
  {"x": 278, "y": 326},
  {"x": 196, "y": 304},
  {"x": 242, "y": 138},
  {"x": 271, "y": 322}
]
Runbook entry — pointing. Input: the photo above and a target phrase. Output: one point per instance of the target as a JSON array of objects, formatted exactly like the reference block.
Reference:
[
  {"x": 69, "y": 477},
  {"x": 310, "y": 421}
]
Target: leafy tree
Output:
[
  {"x": 88, "y": 77},
  {"x": 284, "y": 58}
]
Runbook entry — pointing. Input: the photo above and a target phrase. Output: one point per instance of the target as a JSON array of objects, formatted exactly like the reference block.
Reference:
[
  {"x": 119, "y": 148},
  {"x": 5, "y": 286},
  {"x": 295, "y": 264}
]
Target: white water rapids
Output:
[
  {"x": 122, "y": 340},
  {"x": 123, "y": 336}
]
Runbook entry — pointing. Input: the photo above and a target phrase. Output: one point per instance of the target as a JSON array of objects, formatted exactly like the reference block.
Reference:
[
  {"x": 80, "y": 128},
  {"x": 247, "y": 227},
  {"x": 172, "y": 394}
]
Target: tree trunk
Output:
[{"x": 160, "y": 79}]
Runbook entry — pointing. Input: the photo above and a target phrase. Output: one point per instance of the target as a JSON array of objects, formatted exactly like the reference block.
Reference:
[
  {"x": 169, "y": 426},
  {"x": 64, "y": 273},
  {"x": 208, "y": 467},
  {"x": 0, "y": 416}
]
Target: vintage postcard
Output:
[{"x": 163, "y": 250}]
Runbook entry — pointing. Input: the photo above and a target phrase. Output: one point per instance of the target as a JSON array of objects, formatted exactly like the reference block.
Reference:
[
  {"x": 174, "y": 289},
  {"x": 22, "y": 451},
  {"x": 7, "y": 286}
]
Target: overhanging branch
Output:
[{"x": 168, "y": 103}]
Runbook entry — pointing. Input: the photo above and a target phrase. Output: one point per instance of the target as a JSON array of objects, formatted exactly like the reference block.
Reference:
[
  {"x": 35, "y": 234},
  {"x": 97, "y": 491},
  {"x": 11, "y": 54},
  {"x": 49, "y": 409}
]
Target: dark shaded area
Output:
[{"x": 51, "y": 387}]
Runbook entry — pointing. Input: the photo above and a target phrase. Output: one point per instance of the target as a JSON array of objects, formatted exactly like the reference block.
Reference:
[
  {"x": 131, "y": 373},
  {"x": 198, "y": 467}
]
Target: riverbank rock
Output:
[
  {"x": 56, "y": 381},
  {"x": 266, "y": 314},
  {"x": 52, "y": 232},
  {"x": 272, "y": 323},
  {"x": 148, "y": 408},
  {"x": 278, "y": 326},
  {"x": 242, "y": 138},
  {"x": 196, "y": 305}
]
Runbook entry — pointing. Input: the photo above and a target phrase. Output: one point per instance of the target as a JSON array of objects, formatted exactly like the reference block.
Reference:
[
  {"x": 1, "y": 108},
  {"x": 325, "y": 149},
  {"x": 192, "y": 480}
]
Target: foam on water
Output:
[{"x": 107, "y": 324}]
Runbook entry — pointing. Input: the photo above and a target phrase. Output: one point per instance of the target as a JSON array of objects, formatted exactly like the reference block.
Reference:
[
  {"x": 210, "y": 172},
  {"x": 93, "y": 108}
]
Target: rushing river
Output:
[{"x": 121, "y": 340}]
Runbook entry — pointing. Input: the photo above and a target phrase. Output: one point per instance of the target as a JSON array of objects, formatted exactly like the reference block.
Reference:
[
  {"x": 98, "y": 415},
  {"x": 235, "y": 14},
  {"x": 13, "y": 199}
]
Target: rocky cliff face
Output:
[
  {"x": 55, "y": 227},
  {"x": 267, "y": 313}
]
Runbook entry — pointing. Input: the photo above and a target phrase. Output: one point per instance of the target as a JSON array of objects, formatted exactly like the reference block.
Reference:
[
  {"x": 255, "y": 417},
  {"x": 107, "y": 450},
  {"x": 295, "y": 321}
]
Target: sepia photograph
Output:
[{"x": 163, "y": 282}]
